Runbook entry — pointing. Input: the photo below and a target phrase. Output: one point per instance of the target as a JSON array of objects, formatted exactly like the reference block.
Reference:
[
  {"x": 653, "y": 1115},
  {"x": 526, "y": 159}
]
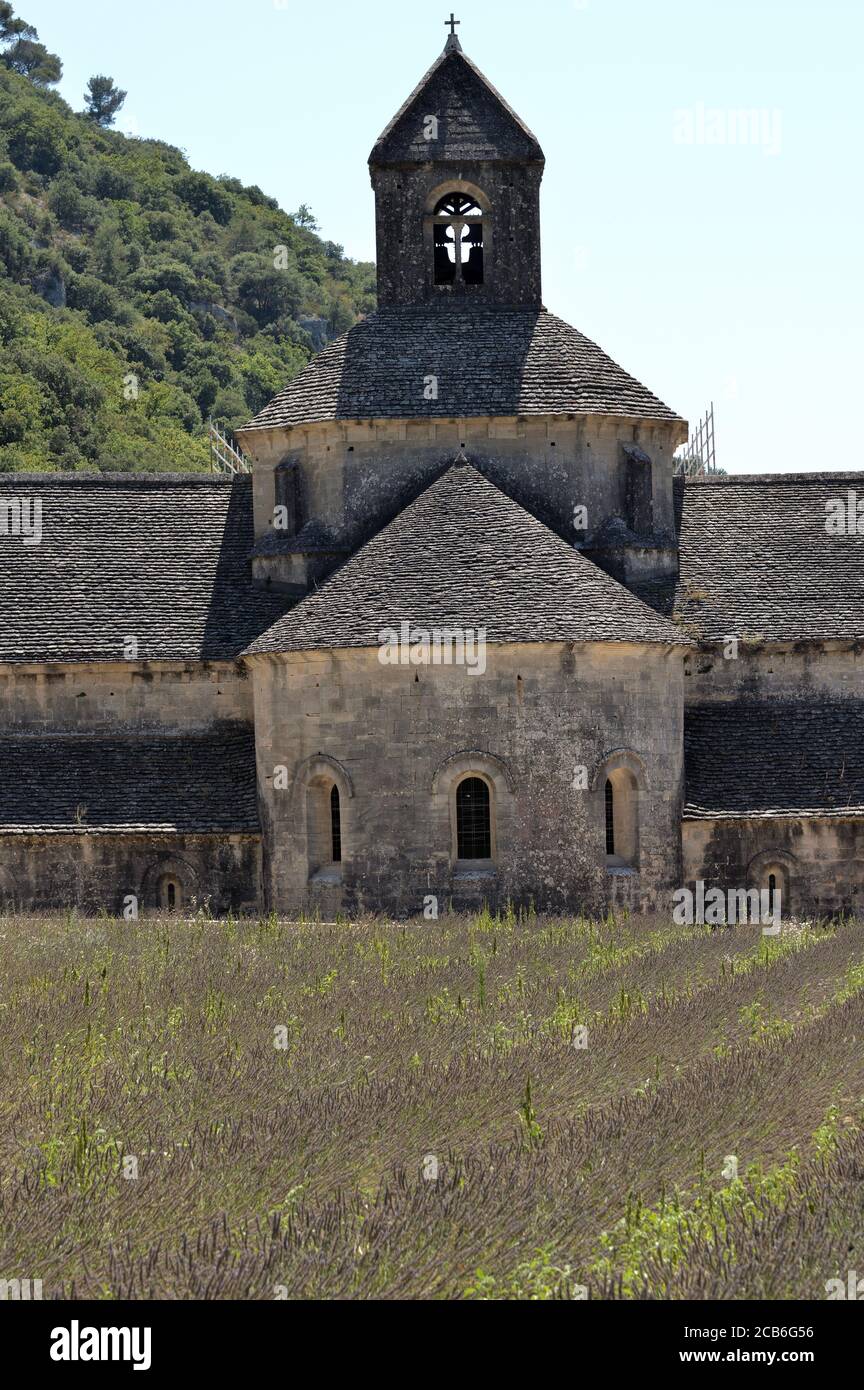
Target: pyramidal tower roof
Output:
[
  {"x": 465, "y": 555},
  {"x": 474, "y": 121},
  {"x": 485, "y": 337}
]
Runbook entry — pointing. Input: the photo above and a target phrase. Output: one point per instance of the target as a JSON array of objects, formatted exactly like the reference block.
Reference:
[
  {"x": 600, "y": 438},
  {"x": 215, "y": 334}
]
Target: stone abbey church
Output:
[{"x": 461, "y": 634}]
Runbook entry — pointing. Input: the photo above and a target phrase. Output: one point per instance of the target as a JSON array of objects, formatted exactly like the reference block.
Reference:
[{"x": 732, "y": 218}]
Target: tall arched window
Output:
[
  {"x": 621, "y": 815},
  {"x": 610, "y": 818},
  {"x": 473, "y": 819},
  {"x": 323, "y": 827},
  {"x": 335, "y": 825},
  {"x": 458, "y": 239}
]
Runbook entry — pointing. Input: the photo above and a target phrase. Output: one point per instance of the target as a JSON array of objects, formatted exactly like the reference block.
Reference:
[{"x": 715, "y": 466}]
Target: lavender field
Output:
[{"x": 475, "y": 1107}]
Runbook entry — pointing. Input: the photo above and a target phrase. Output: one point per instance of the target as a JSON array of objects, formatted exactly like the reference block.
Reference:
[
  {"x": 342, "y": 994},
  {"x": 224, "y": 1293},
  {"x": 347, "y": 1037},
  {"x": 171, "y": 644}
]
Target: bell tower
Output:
[{"x": 457, "y": 178}]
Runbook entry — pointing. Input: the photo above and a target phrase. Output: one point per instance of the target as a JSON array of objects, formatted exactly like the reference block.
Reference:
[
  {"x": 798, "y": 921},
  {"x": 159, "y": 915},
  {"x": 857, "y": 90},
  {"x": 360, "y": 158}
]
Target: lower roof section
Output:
[
  {"x": 777, "y": 758},
  {"x": 90, "y": 784},
  {"x": 777, "y": 557},
  {"x": 128, "y": 567}
]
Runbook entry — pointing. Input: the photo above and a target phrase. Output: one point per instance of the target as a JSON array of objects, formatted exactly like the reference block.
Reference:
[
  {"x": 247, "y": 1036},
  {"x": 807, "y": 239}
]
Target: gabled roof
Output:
[
  {"x": 194, "y": 783},
  {"x": 162, "y": 558},
  {"x": 466, "y": 555},
  {"x": 783, "y": 758},
  {"x": 487, "y": 362},
  {"x": 475, "y": 122},
  {"x": 756, "y": 559}
]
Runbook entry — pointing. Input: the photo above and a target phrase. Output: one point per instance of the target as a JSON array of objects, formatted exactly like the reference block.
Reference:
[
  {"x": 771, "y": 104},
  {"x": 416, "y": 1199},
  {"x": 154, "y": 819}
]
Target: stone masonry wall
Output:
[
  {"x": 145, "y": 695},
  {"x": 788, "y": 671},
  {"x": 356, "y": 476},
  {"x": 509, "y": 196},
  {"x": 397, "y": 736},
  {"x": 823, "y": 858},
  {"x": 95, "y": 873}
]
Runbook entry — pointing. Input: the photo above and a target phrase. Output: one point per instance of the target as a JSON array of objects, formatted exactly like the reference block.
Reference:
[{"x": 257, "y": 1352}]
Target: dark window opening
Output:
[
  {"x": 458, "y": 240},
  {"x": 638, "y": 491},
  {"x": 288, "y": 496},
  {"x": 335, "y": 825},
  {"x": 445, "y": 268},
  {"x": 610, "y": 819},
  {"x": 473, "y": 820},
  {"x": 169, "y": 894},
  {"x": 772, "y": 884}
]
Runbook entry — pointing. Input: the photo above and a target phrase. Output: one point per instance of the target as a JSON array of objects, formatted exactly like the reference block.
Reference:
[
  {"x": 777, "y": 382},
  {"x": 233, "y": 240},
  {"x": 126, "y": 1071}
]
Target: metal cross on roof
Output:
[{"x": 452, "y": 21}]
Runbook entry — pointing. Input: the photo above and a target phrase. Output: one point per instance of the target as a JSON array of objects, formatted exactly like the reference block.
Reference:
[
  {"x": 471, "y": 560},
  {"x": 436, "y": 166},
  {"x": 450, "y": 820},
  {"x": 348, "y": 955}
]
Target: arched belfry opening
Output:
[{"x": 458, "y": 240}]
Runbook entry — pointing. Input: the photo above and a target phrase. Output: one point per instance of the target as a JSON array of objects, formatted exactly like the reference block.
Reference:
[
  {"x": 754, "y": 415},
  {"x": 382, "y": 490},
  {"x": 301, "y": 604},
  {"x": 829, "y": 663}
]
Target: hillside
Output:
[{"x": 139, "y": 296}]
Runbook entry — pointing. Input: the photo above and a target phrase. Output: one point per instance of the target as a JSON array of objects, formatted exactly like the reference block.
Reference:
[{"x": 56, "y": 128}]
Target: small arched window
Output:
[
  {"x": 473, "y": 819},
  {"x": 777, "y": 883},
  {"x": 458, "y": 240},
  {"x": 170, "y": 893}
]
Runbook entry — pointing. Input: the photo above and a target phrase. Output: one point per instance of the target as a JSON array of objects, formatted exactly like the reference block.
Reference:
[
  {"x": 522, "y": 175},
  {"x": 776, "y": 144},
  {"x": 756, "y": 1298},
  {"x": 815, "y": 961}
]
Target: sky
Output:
[{"x": 702, "y": 203}]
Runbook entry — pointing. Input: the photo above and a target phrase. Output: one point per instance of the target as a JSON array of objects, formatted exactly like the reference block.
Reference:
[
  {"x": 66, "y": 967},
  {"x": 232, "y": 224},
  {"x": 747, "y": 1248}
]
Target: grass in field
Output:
[{"x": 481, "y": 1107}]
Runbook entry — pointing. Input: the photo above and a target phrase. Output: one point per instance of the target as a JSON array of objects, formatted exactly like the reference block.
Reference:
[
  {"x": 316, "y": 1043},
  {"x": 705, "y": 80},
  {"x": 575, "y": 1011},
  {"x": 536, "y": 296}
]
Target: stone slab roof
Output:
[
  {"x": 111, "y": 784},
  {"x": 486, "y": 361},
  {"x": 475, "y": 122},
  {"x": 161, "y": 558},
  {"x": 757, "y": 560},
  {"x": 781, "y": 758},
  {"x": 464, "y": 554}
]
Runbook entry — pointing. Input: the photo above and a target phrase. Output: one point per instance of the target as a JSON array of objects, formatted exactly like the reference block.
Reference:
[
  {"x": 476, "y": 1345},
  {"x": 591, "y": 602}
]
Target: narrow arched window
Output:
[
  {"x": 458, "y": 240},
  {"x": 610, "y": 818},
  {"x": 621, "y": 818},
  {"x": 772, "y": 884},
  {"x": 335, "y": 825},
  {"x": 473, "y": 819},
  {"x": 170, "y": 893},
  {"x": 324, "y": 827},
  {"x": 287, "y": 514}
]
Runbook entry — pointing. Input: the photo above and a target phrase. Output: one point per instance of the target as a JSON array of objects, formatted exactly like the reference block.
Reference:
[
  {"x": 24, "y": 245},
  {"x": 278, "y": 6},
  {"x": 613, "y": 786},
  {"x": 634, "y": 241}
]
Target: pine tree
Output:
[
  {"x": 24, "y": 53},
  {"x": 103, "y": 100}
]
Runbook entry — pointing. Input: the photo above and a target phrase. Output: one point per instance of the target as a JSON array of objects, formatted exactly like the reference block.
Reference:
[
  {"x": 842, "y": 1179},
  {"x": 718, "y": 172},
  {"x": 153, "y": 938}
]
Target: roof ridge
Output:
[
  {"x": 110, "y": 479},
  {"x": 731, "y": 479}
]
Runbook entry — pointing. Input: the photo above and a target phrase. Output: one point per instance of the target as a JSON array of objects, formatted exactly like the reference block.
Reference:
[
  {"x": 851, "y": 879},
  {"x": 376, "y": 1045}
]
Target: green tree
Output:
[
  {"x": 109, "y": 258},
  {"x": 12, "y": 28},
  {"x": 24, "y": 53},
  {"x": 36, "y": 141},
  {"x": 103, "y": 100},
  {"x": 68, "y": 205},
  {"x": 34, "y": 61},
  {"x": 263, "y": 291}
]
